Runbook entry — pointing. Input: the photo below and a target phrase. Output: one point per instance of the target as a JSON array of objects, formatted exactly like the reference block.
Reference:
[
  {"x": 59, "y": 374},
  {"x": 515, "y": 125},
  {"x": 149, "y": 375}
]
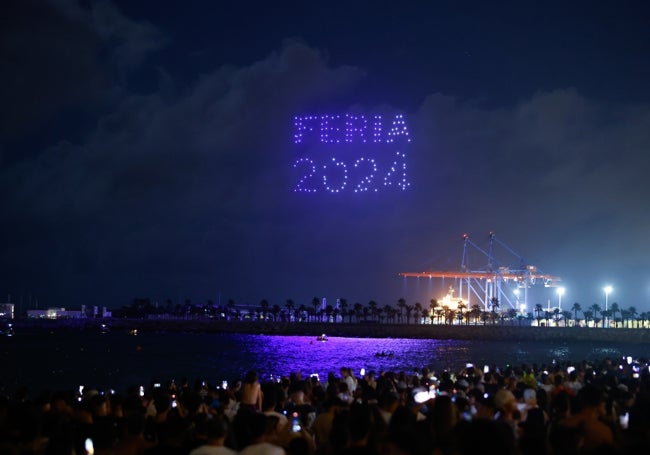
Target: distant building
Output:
[
  {"x": 6, "y": 310},
  {"x": 54, "y": 313},
  {"x": 62, "y": 313}
]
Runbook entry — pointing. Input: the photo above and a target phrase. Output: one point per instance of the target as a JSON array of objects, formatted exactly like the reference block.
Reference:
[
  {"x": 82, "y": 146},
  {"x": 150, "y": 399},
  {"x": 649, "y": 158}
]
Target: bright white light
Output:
[
  {"x": 560, "y": 293},
  {"x": 608, "y": 289}
]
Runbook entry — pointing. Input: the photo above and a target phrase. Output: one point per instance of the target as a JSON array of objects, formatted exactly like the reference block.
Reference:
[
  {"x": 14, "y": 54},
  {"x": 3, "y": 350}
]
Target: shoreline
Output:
[{"x": 490, "y": 332}]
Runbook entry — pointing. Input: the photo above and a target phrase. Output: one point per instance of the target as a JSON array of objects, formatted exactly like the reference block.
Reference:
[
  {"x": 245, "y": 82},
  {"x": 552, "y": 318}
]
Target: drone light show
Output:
[{"x": 350, "y": 153}]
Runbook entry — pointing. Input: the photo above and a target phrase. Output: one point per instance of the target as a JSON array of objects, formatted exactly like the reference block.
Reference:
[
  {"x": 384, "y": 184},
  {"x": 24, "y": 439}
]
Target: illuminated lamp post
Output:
[
  {"x": 560, "y": 293},
  {"x": 608, "y": 290}
]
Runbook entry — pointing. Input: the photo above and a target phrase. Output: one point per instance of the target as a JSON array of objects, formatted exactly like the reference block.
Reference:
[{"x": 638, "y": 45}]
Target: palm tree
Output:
[
  {"x": 315, "y": 302},
  {"x": 290, "y": 305},
  {"x": 388, "y": 311},
  {"x": 439, "y": 313},
  {"x": 461, "y": 306},
  {"x": 358, "y": 311},
  {"x": 275, "y": 310},
  {"x": 329, "y": 311},
  {"x": 379, "y": 315},
  {"x": 548, "y": 315},
  {"x": 433, "y": 304},
  {"x": 566, "y": 315},
  {"x": 643, "y": 318},
  {"x": 401, "y": 304},
  {"x": 418, "y": 308},
  {"x": 445, "y": 312},
  {"x": 588, "y": 316},
  {"x": 451, "y": 316},
  {"x": 409, "y": 310},
  {"x": 476, "y": 313},
  {"x": 633, "y": 313},
  {"x": 607, "y": 317},
  {"x": 373, "y": 309},
  {"x": 595, "y": 308},
  {"x": 614, "y": 309},
  {"x": 575, "y": 308},
  {"x": 625, "y": 318},
  {"x": 299, "y": 313}
]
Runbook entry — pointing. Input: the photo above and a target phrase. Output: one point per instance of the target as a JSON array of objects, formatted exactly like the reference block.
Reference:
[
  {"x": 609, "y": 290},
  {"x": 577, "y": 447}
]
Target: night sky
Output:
[{"x": 147, "y": 148}]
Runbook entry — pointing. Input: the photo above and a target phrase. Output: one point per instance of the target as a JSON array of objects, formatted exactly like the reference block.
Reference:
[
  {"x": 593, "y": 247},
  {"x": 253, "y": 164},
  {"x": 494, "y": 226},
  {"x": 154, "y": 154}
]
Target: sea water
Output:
[{"x": 117, "y": 360}]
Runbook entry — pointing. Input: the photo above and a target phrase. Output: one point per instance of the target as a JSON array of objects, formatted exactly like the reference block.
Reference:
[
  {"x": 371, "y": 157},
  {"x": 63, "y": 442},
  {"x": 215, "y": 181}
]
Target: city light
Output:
[
  {"x": 560, "y": 293},
  {"x": 608, "y": 290}
]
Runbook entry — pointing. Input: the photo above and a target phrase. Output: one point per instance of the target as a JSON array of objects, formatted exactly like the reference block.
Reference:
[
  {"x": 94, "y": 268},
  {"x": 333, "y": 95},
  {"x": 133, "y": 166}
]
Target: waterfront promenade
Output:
[{"x": 490, "y": 332}]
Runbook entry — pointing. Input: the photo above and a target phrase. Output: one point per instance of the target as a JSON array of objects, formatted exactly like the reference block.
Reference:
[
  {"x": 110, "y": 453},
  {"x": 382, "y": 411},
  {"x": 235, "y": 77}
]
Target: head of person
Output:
[
  {"x": 251, "y": 377},
  {"x": 388, "y": 400},
  {"x": 530, "y": 397},
  {"x": 505, "y": 401},
  {"x": 217, "y": 430}
]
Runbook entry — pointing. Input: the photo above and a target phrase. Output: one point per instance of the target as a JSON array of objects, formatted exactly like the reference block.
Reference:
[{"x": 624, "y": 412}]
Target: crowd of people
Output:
[{"x": 555, "y": 409}]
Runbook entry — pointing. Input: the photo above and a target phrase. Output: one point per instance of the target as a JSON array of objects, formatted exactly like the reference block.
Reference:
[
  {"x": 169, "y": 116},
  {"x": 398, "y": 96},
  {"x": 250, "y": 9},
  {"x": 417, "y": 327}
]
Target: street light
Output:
[
  {"x": 607, "y": 290},
  {"x": 560, "y": 293}
]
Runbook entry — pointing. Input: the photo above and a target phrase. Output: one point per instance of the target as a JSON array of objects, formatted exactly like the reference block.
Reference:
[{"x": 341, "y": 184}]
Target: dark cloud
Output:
[
  {"x": 186, "y": 189},
  {"x": 62, "y": 61}
]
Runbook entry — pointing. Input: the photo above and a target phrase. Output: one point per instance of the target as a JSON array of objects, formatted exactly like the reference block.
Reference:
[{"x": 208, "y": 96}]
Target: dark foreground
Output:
[{"x": 595, "y": 408}]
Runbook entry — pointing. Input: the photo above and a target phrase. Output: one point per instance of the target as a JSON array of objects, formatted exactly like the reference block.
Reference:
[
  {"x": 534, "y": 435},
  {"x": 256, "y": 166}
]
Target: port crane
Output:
[{"x": 494, "y": 280}]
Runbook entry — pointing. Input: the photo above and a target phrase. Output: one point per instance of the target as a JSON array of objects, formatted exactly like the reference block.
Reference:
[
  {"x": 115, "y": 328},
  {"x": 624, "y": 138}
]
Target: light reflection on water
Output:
[{"x": 118, "y": 360}]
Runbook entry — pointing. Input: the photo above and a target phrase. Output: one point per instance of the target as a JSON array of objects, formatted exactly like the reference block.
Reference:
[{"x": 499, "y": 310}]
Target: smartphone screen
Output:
[
  {"x": 90, "y": 448},
  {"x": 624, "y": 420},
  {"x": 295, "y": 423}
]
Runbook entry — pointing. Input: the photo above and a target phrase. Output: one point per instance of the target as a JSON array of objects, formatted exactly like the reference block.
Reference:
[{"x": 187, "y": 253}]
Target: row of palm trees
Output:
[
  {"x": 595, "y": 315},
  {"x": 433, "y": 313}
]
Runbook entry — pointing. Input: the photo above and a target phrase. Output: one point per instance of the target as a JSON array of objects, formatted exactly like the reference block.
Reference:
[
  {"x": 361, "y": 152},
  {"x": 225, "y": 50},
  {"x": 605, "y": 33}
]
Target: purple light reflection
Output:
[
  {"x": 281, "y": 355},
  {"x": 117, "y": 360}
]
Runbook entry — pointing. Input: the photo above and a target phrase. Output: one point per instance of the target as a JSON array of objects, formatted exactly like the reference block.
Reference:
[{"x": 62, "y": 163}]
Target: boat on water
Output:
[
  {"x": 388, "y": 354},
  {"x": 322, "y": 337}
]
